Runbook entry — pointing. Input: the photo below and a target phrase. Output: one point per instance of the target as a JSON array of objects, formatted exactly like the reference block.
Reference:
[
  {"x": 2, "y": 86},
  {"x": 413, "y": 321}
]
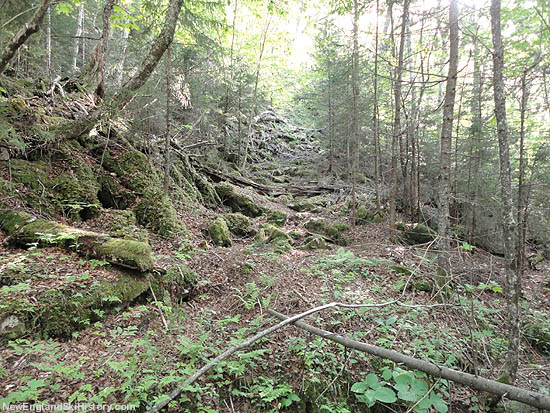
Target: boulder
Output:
[
  {"x": 414, "y": 234},
  {"x": 237, "y": 201},
  {"x": 331, "y": 230},
  {"x": 219, "y": 232}
]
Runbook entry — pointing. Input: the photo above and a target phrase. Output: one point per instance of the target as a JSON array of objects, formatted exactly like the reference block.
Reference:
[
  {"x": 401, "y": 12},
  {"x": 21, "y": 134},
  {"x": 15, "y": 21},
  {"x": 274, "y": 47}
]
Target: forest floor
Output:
[{"x": 137, "y": 352}]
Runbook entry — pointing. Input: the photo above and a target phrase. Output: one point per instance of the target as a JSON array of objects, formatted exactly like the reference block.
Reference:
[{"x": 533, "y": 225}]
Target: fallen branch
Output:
[
  {"x": 190, "y": 380},
  {"x": 531, "y": 398}
]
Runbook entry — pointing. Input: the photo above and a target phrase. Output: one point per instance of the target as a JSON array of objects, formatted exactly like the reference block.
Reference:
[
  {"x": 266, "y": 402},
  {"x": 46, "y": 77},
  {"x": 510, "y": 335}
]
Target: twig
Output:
[{"x": 158, "y": 307}]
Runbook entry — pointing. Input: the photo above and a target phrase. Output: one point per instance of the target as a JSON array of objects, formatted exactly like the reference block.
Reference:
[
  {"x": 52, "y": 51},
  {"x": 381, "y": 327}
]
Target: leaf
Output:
[
  {"x": 439, "y": 403},
  {"x": 359, "y": 387},
  {"x": 407, "y": 395},
  {"x": 372, "y": 381},
  {"x": 385, "y": 395}
]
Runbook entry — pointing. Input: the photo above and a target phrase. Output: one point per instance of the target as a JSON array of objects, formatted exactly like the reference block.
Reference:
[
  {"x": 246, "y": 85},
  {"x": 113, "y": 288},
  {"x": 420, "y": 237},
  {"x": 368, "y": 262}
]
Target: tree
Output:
[
  {"x": 23, "y": 34},
  {"x": 446, "y": 139},
  {"x": 397, "y": 115},
  {"x": 513, "y": 282}
]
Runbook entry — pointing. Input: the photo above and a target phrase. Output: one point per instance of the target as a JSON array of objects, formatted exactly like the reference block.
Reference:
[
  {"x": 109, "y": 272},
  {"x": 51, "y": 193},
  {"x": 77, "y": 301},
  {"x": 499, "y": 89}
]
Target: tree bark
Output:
[
  {"x": 23, "y": 34},
  {"x": 376, "y": 137},
  {"x": 397, "y": 116},
  {"x": 77, "y": 39},
  {"x": 513, "y": 282},
  {"x": 445, "y": 154}
]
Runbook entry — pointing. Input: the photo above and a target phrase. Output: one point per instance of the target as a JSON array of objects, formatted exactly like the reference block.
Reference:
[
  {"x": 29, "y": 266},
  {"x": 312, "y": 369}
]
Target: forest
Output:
[{"x": 275, "y": 205}]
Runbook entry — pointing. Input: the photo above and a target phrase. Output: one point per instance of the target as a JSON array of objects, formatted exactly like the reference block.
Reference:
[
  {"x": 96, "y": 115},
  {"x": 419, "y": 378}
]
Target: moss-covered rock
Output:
[
  {"x": 77, "y": 192},
  {"x": 315, "y": 243},
  {"x": 123, "y": 224},
  {"x": 239, "y": 224},
  {"x": 364, "y": 216},
  {"x": 26, "y": 231},
  {"x": 126, "y": 253},
  {"x": 135, "y": 172},
  {"x": 275, "y": 234},
  {"x": 401, "y": 269},
  {"x": 423, "y": 285},
  {"x": 59, "y": 312},
  {"x": 305, "y": 205},
  {"x": 414, "y": 234},
  {"x": 238, "y": 202},
  {"x": 331, "y": 230},
  {"x": 219, "y": 232},
  {"x": 277, "y": 217},
  {"x": 156, "y": 212}
]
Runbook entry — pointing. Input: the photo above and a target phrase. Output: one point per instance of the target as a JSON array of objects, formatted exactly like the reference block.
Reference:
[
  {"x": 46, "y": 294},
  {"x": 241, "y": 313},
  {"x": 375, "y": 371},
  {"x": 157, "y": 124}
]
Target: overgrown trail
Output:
[{"x": 285, "y": 253}]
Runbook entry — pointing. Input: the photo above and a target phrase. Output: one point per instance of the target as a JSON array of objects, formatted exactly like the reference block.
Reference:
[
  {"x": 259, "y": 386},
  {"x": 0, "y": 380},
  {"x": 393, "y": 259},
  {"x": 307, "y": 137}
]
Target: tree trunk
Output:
[
  {"x": 167, "y": 136},
  {"x": 446, "y": 139},
  {"x": 397, "y": 117},
  {"x": 23, "y": 34},
  {"x": 355, "y": 107},
  {"x": 78, "y": 36},
  {"x": 49, "y": 41},
  {"x": 376, "y": 138},
  {"x": 513, "y": 282}
]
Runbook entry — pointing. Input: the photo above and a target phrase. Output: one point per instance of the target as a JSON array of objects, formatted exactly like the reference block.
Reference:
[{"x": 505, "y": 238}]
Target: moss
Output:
[
  {"x": 156, "y": 212},
  {"x": 274, "y": 234},
  {"x": 239, "y": 224},
  {"x": 415, "y": 233},
  {"x": 277, "y": 217},
  {"x": 422, "y": 285},
  {"x": 315, "y": 243},
  {"x": 333, "y": 231},
  {"x": 135, "y": 172},
  {"x": 11, "y": 221},
  {"x": 123, "y": 224},
  {"x": 77, "y": 192},
  {"x": 236, "y": 201},
  {"x": 127, "y": 253},
  {"x": 364, "y": 216},
  {"x": 219, "y": 232}
]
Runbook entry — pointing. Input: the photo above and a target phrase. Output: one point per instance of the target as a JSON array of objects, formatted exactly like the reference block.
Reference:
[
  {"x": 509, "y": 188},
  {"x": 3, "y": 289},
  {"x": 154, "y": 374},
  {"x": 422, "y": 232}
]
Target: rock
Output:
[
  {"x": 333, "y": 231},
  {"x": 238, "y": 202},
  {"x": 156, "y": 212},
  {"x": 277, "y": 217},
  {"x": 414, "y": 234},
  {"x": 11, "y": 327},
  {"x": 59, "y": 312},
  {"x": 25, "y": 230},
  {"x": 239, "y": 224},
  {"x": 219, "y": 232},
  {"x": 315, "y": 243}
]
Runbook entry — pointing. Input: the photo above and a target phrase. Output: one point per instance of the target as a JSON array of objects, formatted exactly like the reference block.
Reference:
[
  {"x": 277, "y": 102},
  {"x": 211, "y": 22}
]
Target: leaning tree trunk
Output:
[
  {"x": 446, "y": 139},
  {"x": 131, "y": 86},
  {"x": 23, "y": 34},
  {"x": 513, "y": 282}
]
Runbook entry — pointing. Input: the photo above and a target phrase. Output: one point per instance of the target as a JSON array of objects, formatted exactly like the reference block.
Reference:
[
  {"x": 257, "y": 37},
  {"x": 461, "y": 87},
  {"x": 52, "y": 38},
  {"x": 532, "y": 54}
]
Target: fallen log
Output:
[
  {"x": 25, "y": 230},
  {"x": 531, "y": 398}
]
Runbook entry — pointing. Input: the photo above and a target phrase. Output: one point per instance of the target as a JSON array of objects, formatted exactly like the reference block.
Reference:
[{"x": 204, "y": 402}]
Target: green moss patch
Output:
[
  {"x": 331, "y": 230},
  {"x": 156, "y": 212},
  {"x": 238, "y": 202},
  {"x": 239, "y": 224},
  {"x": 277, "y": 217},
  {"x": 413, "y": 234},
  {"x": 219, "y": 232},
  {"x": 60, "y": 312}
]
